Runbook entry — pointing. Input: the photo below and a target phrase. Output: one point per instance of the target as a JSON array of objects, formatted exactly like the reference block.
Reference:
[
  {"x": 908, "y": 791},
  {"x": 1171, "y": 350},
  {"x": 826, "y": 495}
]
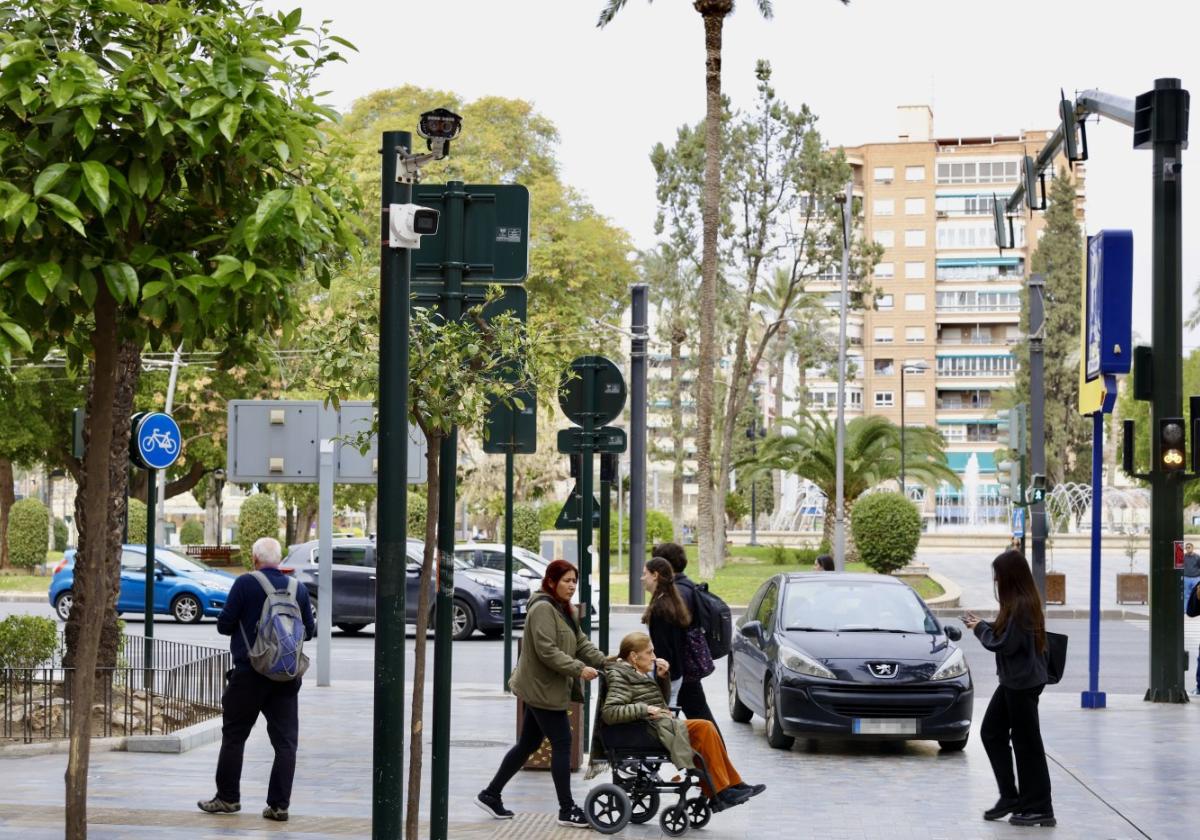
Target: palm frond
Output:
[{"x": 610, "y": 11}]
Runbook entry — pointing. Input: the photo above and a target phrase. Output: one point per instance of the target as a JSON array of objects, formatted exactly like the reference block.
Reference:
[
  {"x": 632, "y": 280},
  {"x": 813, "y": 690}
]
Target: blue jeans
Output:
[{"x": 1189, "y": 583}]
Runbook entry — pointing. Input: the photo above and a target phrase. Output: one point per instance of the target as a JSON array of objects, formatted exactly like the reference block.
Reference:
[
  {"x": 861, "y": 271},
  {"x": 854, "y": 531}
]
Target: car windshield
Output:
[
  {"x": 529, "y": 557},
  {"x": 179, "y": 563},
  {"x": 855, "y": 606}
]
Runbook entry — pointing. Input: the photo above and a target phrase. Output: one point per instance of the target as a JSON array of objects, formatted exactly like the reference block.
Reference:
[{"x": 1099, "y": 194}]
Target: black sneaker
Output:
[
  {"x": 216, "y": 805},
  {"x": 277, "y": 814},
  {"x": 490, "y": 803},
  {"x": 1002, "y": 808},
  {"x": 573, "y": 818},
  {"x": 1033, "y": 818},
  {"x": 751, "y": 790},
  {"x": 731, "y": 797}
]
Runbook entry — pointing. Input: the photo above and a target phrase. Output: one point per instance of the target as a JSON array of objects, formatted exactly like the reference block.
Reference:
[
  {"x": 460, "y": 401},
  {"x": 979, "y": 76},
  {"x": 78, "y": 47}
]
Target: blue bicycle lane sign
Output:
[{"x": 155, "y": 440}]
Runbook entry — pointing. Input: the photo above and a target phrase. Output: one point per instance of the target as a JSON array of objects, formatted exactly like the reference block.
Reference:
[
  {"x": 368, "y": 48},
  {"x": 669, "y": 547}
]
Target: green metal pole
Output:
[
  {"x": 605, "y": 521},
  {"x": 508, "y": 554},
  {"x": 387, "y": 776},
  {"x": 148, "y": 632},
  {"x": 586, "y": 465},
  {"x": 451, "y": 308},
  {"x": 1168, "y": 135}
]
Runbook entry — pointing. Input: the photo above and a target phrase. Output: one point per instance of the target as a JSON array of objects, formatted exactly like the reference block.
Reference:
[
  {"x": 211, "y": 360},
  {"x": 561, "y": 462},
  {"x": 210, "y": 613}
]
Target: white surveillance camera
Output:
[{"x": 407, "y": 223}]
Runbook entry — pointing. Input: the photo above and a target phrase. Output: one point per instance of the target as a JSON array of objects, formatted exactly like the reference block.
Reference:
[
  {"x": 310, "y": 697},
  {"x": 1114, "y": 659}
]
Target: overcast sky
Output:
[{"x": 984, "y": 67}]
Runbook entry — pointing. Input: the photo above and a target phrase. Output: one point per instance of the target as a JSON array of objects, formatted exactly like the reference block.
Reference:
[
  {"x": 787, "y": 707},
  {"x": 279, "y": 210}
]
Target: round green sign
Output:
[{"x": 603, "y": 402}]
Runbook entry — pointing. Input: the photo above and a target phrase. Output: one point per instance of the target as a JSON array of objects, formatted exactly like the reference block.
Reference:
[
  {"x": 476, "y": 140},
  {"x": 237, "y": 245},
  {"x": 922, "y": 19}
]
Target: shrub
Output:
[
  {"x": 28, "y": 533},
  {"x": 886, "y": 529},
  {"x": 826, "y": 547},
  {"x": 61, "y": 534},
  {"x": 27, "y": 641},
  {"x": 659, "y": 528},
  {"x": 547, "y": 514},
  {"x": 527, "y": 528},
  {"x": 259, "y": 518},
  {"x": 806, "y": 557},
  {"x": 779, "y": 555},
  {"x": 135, "y": 516},
  {"x": 191, "y": 532},
  {"x": 736, "y": 508},
  {"x": 417, "y": 509}
]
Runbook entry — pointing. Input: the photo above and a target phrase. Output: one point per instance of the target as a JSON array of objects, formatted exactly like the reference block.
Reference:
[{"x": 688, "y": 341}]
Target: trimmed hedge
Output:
[
  {"x": 527, "y": 528},
  {"x": 886, "y": 529},
  {"x": 258, "y": 518},
  {"x": 191, "y": 532},
  {"x": 659, "y": 528},
  {"x": 135, "y": 515},
  {"x": 417, "y": 510},
  {"x": 61, "y": 534},
  {"x": 28, "y": 533},
  {"x": 27, "y": 641}
]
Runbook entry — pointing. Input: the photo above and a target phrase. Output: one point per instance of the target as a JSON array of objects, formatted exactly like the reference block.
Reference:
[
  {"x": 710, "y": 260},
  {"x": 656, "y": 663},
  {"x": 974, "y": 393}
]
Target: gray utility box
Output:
[{"x": 279, "y": 442}]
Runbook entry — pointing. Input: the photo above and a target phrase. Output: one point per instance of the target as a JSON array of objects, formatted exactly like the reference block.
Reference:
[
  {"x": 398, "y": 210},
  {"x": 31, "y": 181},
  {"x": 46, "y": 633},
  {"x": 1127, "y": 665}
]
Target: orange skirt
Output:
[{"x": 707, "y": 741}]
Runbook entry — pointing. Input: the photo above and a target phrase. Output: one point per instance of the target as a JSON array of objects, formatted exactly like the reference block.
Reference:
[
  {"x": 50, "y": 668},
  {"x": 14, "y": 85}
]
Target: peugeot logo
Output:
[{"x": 883, "y": 670}]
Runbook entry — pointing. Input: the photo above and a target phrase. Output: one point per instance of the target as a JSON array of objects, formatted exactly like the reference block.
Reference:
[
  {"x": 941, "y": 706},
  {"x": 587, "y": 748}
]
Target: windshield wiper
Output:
[
  {"x": 810, "y": 629},
  {"x": 875, "y": 630}
]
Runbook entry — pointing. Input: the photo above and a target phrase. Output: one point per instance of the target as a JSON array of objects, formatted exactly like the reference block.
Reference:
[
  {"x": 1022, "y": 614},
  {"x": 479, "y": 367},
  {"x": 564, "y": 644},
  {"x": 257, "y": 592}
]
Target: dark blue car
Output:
[{"x": 184, "y": 588}]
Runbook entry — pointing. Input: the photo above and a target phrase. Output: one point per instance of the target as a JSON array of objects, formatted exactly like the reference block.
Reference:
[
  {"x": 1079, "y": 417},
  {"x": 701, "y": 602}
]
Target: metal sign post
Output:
[{"x": 155, "y": 444}]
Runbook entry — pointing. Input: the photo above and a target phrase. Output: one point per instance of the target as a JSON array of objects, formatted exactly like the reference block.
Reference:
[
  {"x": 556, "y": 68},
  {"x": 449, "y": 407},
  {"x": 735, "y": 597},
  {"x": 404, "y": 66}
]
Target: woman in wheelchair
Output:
[{"x": 634, "y": 693}]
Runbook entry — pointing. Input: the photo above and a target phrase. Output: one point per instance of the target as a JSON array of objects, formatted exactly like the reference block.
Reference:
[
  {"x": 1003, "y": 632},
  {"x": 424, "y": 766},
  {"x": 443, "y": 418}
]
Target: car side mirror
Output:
[
  {"x": 158, "y": 575},
  {"x": 952, "y": 632},
  {"x": 753, "y": 630}
]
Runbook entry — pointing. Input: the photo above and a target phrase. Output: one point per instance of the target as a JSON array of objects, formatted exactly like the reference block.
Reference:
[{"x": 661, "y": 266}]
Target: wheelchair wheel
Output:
[
  {"x": 699, "y": 811},
  {"x": 607, "y": 808},
  {"x": 674, "y": 821},
  {"x": 645, "y": 805}
]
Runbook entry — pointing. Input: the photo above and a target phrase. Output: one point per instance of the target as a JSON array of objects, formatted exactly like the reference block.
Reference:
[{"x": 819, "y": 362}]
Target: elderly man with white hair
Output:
[{"x": 248, "y": 692}]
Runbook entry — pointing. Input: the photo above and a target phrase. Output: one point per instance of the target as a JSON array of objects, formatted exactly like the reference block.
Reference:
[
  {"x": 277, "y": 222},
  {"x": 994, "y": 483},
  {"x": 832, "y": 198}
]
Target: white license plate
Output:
[
  {"x": 885, "y": 726},
  {"x": 520, "y": 610}
]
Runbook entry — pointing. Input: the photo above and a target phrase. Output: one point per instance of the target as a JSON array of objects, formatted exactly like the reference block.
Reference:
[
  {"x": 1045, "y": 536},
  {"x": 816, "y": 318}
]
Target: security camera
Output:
[
  {"x": 407, "y": 223},
  {"x": 439, "y": 127}
]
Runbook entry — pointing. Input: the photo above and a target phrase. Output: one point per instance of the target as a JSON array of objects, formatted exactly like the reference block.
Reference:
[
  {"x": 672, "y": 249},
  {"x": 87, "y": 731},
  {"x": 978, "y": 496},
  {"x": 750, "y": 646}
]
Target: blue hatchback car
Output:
[{"x": 184, "y": 588}]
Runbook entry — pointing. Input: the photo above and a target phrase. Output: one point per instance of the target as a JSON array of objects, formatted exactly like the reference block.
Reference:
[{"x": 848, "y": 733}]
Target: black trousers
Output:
[
  {"x": 539, "y": 724},
  {"x": 1010, "y": 725},
  {"x": 694, "y": 703},
  {"x": 247, "y": 694}
]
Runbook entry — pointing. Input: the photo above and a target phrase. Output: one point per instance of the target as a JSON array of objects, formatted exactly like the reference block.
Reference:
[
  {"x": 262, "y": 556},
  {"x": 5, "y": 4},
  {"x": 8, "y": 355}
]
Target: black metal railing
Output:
[{"x": 184, "y": 687}]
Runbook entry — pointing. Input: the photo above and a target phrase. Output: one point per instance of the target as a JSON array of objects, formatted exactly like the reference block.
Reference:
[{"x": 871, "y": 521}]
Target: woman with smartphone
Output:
[{"x": 1010, "y": 724}]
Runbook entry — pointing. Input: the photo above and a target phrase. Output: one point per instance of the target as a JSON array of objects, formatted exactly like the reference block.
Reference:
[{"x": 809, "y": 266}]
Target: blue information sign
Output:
[
  {"x": 1109, "y": 303},
  {"x": 1018, "y": 522},
  {"x": 156, "y": 442}
]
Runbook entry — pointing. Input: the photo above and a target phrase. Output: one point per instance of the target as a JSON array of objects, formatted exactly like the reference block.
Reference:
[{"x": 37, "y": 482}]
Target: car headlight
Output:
[
  {"x": 485, "y": 582},
  {"x": 797, "y": 660},
  {"x": 954, "y": 666}
]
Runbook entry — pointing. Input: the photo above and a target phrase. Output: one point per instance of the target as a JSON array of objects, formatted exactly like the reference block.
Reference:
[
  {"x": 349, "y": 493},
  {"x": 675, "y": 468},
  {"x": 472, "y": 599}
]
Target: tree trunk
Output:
[
  {"x": 304, "y": 520},
  {"x": 678, "y": 452},
  {"x": 212, "y": 527},
  {"x": 83, "y": 631},
  {"x": 416, "y": 731},
  {"x": 714, "y": 22},
  {"x": 777, "y": 475},
  {"x": 7, "y": 499},
  {"x": 289, "y": 527}
]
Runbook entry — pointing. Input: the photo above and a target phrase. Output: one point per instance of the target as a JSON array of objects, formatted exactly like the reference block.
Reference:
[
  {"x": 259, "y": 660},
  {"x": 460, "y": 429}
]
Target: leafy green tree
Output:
[
  {"x": 258, "y": 518},
  {"x": 192, "y": 532},
  {"x": 736, "y": 508},
  {"x": 135, "y": 518},
  {"x": 61, "y": 534},
  {"x": 1059, "y": 256},
  {"x": 167, "y": 178},
  {"x": 886, "y": 528},
  {"x": 28, "y": 533},
  {"x": 872, "y": 456},
  {"x": 527, "y": 529}
]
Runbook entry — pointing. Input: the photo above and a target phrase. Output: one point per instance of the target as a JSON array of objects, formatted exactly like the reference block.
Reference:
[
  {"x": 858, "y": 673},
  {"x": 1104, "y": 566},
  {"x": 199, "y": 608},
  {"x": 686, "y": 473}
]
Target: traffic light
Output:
[
  {"x": 1010, "y": 428},
  {"x": 1004, "y": 428},
  {"x": 1009, "y": 480},
  {"x": 1000, "y": 223},
  {"x": 1171, "y": 445},
  {"x": 1037, "y": 489}
]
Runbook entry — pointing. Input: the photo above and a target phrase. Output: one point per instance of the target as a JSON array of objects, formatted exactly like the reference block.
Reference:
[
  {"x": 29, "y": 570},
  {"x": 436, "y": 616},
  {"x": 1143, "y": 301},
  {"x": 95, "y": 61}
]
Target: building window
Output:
[
  {"x": 883, "y": 207},
  {"x": 854, "y": 400},
  {"x": 914, "y": 399},
  {"x": 979, "y": 236},
  {"x": 975, "y": 366},
  {"x": 914, "y": 335},
  {"x": 974, "y": 301},
  {"x": 914, "y": 173},
  {"x": 885, "y": 335},
  {"x": 915, "y": 270},
  {"x": 883, "y": 303},
  {"x": 914, "y": 303},
  {"x": 914, "y": 207},
  {"x": 914, "y": 238},
  {"x": 954, "y": 433},
  {"x": 884, "y": 174},
  {"x": 885, "y": 399},
  {"x": 885, "y": 270},
  {"x": 977, "y": 172},
  {"x": 980, "y": 271},
  {"x": 885, "y": 367},
  {"x": 886, "y": 238}
]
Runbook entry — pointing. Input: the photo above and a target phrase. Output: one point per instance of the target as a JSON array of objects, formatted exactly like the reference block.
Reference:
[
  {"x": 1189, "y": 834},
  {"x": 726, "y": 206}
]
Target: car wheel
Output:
[
  {"x": 462, "y": 620},
  {"x": 738, "y": 710},
  {"x": 954, "y": 746},
  {"x": 63, "y": 604},
  {"x": 775, "y": 736},
  {"x": 350, "y": 629},
  {"x": 186, "y": 609}
]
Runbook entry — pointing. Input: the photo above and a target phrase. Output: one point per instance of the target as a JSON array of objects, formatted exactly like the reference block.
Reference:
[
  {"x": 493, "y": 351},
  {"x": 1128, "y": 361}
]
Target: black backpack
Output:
[{"x": 711, "y": 615}]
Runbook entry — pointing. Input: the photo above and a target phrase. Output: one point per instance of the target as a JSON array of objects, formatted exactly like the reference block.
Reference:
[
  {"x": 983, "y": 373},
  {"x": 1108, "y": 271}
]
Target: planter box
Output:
[
  {"x": 1056, "y": 588},
  {"x": 1132, "y": 588}
]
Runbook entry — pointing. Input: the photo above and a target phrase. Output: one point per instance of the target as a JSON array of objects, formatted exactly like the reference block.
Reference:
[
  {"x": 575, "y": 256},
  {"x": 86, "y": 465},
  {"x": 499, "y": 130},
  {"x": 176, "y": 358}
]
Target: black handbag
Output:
[
  {"x": 1056, "y": 657},
  {"x": 1193, "y": 603}
]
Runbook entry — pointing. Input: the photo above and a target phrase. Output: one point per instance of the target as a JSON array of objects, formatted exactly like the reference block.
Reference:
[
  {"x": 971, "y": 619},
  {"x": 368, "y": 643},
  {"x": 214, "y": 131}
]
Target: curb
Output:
[
  {"x": 188, "y": 738},
  {"x": 951, "y": 594},
  {"x": 24, "y": 597},
  {"x": 57, "y": 747}
]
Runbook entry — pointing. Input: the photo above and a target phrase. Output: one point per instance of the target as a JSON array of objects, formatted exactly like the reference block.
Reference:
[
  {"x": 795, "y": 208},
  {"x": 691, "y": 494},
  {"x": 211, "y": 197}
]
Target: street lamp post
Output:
[{"x": 903, "y": 399}]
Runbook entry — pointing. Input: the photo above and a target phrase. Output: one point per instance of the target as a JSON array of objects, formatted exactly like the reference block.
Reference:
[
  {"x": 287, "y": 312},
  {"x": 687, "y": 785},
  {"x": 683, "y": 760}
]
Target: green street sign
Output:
[
  {"x": 605, "y": 439},
  {"x": 570, "y": 516},
  {"x": 607, "y": 397},
  {"x": 495, "y": 234},
  {"x": 512, "y": 429}
]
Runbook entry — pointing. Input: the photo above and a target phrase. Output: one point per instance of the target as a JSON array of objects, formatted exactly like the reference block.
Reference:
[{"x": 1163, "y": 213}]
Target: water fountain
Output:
[{"x": 971, "y": 489}]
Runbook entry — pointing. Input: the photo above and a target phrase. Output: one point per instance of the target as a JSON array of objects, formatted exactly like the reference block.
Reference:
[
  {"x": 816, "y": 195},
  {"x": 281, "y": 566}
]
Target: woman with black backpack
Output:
[
  {"x": 1018, "y": 638},
  {"x": 669, "y": 621}
]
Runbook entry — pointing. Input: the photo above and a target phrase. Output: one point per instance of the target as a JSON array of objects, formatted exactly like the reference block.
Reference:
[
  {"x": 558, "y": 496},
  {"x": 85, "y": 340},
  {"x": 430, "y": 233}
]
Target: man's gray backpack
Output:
[{"x": 278, "y": 649}]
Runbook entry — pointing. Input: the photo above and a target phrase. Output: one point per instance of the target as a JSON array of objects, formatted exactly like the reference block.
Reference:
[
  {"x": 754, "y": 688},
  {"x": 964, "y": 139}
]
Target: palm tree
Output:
[
  {"x": 872, "y": 456},
  {"x": 713, "y": 13}
]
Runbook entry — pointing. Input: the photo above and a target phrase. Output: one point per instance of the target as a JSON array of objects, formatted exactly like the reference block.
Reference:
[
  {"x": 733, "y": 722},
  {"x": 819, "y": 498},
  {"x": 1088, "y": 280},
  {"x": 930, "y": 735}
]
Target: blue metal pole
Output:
[{"x": 1093, "y": 698}]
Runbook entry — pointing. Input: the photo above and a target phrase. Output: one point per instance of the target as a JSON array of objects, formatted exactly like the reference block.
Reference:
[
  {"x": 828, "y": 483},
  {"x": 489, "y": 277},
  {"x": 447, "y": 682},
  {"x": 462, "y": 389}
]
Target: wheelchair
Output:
[{"x": 635, "y": 756}]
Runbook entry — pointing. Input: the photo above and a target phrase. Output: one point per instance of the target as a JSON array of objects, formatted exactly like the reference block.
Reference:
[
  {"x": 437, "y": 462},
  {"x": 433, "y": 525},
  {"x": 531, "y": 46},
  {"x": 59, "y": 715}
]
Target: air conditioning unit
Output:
[{"x": 942, "y": 214}]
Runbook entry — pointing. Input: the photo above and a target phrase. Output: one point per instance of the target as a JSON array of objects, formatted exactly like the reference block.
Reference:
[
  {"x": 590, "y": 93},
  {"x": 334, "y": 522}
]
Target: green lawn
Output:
[
  {"x": 737, "y": 582},
  {"x": 24, "y": 583}
]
